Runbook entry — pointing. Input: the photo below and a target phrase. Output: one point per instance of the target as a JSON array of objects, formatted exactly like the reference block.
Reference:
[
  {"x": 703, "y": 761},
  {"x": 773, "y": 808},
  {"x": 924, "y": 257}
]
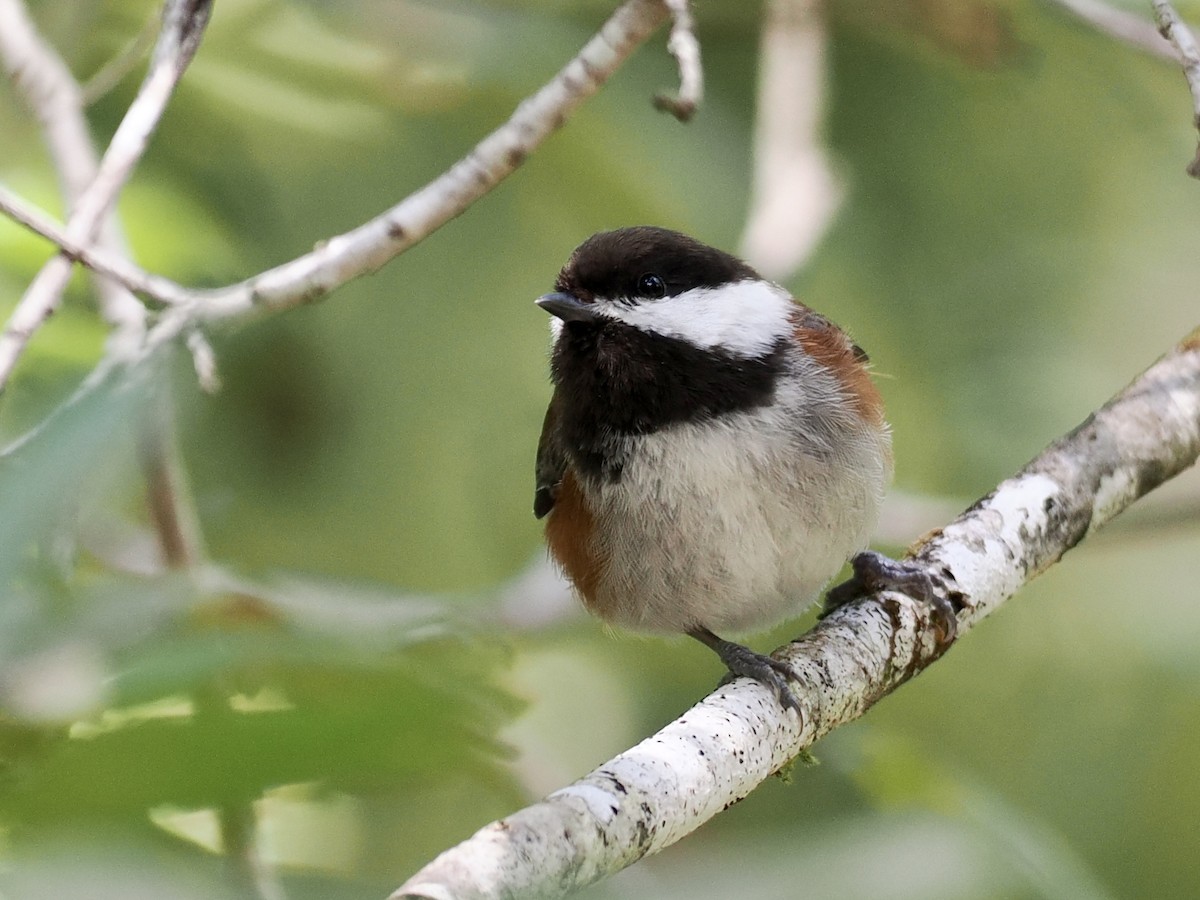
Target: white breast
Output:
[{"x": 736, "y": 524}]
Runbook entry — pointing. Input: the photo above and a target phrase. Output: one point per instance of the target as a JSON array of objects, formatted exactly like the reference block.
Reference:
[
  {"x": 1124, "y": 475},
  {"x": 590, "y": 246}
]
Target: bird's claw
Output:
[
  {"x": 743, "y": 662},
  {"x": 876, "y": 572}
]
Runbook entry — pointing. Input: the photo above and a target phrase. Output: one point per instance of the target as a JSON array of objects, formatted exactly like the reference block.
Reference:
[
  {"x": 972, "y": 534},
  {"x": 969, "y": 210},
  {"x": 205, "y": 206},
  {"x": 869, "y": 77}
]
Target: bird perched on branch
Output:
[{"x": 713, "y": 452}]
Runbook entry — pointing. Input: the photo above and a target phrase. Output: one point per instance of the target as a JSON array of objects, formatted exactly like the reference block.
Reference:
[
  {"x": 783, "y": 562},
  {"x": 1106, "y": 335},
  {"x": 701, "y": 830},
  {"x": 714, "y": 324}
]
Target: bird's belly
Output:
[{"x": 734, "y": 533}]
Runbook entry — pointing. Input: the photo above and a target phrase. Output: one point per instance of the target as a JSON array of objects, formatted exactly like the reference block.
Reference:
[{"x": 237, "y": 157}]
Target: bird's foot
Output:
[
  {"x": 744, "y": 662},
  {"x": 876, "y": 572}
]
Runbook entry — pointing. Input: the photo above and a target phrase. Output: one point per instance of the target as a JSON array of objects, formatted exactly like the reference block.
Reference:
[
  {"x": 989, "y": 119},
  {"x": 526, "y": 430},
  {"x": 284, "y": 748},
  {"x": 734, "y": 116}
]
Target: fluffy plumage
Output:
[{"x": 713, "y": 451}]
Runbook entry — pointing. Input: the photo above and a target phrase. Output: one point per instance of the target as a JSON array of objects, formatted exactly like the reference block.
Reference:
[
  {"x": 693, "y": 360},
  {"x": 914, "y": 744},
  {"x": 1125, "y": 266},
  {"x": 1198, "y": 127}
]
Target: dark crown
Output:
[{"x": 611, "y": 264}]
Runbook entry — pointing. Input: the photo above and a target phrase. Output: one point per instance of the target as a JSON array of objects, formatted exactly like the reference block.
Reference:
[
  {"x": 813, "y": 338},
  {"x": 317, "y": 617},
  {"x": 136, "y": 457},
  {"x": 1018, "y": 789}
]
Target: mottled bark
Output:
[{"x": 655, "y": 793}]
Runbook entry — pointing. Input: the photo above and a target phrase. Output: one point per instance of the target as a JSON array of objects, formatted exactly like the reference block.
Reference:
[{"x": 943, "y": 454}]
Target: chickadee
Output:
[{"x": 713, "y": 452}]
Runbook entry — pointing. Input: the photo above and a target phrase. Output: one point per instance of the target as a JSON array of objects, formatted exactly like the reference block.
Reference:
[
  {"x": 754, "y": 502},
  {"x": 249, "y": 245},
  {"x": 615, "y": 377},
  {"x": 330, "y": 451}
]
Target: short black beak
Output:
[{"x": 567, "y": 307}]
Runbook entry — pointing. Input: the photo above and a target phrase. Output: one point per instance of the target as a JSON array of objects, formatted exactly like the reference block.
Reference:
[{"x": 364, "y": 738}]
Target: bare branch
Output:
[
  {"x": 52, "y": 94},
  {"x": 795, "y": 194},
  {"x": 167, "y": 497},
  {"x": 1119, "y": 24},
  {"x": 183, "y": 26},
  {"x": 114, "y": 71},
  {"x": 368, "y": 247},
  {"x": 1175, "y": 31},
  {"x": 719, "y": 751},
  {"x": 115, "y": 267},
  {"x": 204, "y": 361},
  {"x": 906, "y": 516},
  {"x": 685, "y": 47}
]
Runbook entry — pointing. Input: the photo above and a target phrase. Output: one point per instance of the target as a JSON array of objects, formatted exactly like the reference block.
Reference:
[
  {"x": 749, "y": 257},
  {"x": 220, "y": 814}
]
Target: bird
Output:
[{"x": 713, "y": 452}]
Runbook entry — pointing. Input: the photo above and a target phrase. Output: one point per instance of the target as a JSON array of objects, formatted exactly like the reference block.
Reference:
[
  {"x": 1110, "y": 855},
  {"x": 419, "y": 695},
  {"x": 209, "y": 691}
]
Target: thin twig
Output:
[
  {"x": 167, "y": 497},
  {"x": 1174, "y": 30},
  {"x": 52, "y": 95},
  {"x": 685, "y": 47},
  {"x": 368, "y": 247},
  {"x": 247, "y": 872},
  {"x": 650, "y": 796},
  {"x": 115, "y": 267},
  {"x": 204, "y": 361},
  {"x": 183, "y": 26},
  {"x": 1120, "y": 24},
  {"x": 371, "y": 245},
  {"x": 51, "y": 92},
  {"x": 127, "y": 59}
]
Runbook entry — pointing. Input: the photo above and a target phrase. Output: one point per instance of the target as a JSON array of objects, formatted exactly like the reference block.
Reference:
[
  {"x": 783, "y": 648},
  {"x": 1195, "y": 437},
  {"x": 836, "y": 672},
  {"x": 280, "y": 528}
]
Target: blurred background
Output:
[{"x": 374, "y": 660}]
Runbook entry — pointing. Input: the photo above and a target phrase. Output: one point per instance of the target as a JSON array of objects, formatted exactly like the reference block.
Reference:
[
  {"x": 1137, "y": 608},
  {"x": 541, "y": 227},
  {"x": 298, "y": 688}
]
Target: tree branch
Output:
[
  {"x": 1174, "y": 30},
  {"x": 795, "y": 194},
  {"x": 684, "y": 46},
  {"x": 366, "y": 248},
  {"x": 126, "y": 60},
  {"x": 112, "y": 265},
  {"x": 168, "y": 500},
  {"x": 183, "y": 26},
  {"x": 52, "y": 95},
  {"x": 719, "y": 751},
  {"x": 56, "y": 101}
]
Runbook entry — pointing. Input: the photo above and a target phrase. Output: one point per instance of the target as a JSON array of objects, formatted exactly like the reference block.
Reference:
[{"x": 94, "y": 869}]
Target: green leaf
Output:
[{"x": 44, "y": 479}]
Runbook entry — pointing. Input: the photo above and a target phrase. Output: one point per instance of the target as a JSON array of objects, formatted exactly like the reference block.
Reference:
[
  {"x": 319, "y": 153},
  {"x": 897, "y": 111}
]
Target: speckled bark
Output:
[{"x": 652, "y": 795}]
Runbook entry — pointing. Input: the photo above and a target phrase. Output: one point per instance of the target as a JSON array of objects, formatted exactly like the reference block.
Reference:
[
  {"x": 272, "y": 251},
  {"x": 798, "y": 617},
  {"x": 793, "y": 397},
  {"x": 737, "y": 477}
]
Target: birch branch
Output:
[
  {"x": 52, "y": 95},
  {"x": 114, "y": 266},
  {"x": 685, "y": 47},
  {"x": 368, "y": 247},
  {"x": 57, "y": 102},
  {"x": 650, "y": 796},
  {"x": 183, "y": 26},
  {"x": 1174, "y": 30},
  {"x": 795, "y": 194}
]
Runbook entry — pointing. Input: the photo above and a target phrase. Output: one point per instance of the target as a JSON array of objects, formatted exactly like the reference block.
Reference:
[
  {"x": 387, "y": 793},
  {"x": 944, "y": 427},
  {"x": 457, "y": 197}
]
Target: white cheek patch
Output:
[{"x": 746, "y": 317}]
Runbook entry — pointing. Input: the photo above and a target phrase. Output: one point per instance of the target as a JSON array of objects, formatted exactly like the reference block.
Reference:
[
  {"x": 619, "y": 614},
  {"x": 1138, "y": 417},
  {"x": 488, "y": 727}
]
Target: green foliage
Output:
[
  {"x": 126, "y": 696},
  {"x": 1018, "y": 240}
]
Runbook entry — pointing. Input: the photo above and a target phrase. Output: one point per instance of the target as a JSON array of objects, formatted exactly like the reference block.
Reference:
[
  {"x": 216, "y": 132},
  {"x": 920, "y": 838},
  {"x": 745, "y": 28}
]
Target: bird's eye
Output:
[{"x": 650, "y": 285}]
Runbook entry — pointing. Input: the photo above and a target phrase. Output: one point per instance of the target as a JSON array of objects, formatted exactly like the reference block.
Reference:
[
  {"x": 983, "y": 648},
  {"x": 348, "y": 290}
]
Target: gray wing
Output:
[{"x": 551, "y": 462}]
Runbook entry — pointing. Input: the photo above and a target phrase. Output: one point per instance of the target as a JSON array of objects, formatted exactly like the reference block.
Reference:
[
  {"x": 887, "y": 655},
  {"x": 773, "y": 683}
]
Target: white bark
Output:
[
  {"x": 795, "y": 193},
  {"x": 1184, "y": 42},
  {"x": 368, "y": 247},
  {"x": 56, "y": 101},
  {"x": 655, "y": 793},
  {"x": 684, "y": 46},
  {"x": 99, "y": 258},
  {"x": 183, "y": 25}
]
